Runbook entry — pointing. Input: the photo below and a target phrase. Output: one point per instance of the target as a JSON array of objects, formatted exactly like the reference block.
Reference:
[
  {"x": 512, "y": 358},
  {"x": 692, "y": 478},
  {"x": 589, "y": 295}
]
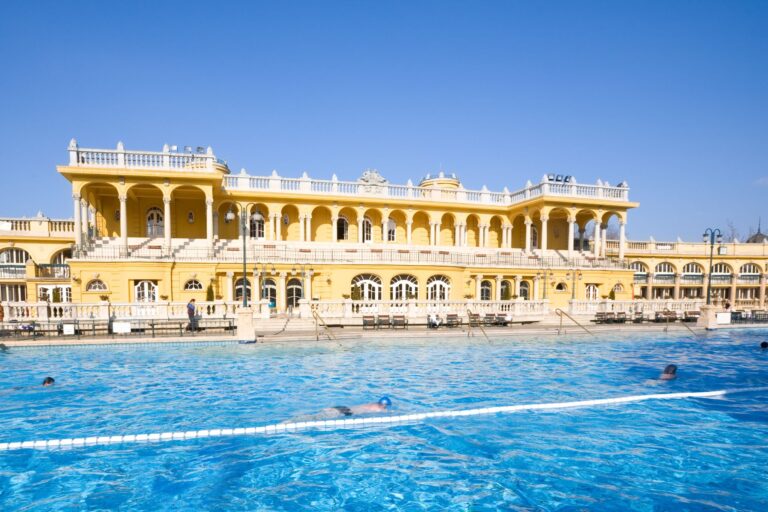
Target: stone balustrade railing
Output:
[
  {"x": 308, "y": 253},
  {"x": 37, "y": 226},
  {"x": 590, "y": 307},
  {"x": 418, "y": 309},
  {"x": 334, "y": 187},
  {"x": 202, "y": 159},
  {"x": 697, "y": 249},
  {"x": 54, "y": 311}
]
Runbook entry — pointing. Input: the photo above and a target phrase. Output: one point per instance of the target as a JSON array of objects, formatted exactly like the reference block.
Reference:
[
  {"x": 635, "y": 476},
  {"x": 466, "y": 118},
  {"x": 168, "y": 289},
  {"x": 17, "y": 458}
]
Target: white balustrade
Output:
[{"x": 589, "y": 307}]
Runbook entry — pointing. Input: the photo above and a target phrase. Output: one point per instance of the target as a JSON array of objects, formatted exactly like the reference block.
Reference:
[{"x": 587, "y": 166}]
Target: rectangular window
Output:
[{"x": 13, "y": 292}]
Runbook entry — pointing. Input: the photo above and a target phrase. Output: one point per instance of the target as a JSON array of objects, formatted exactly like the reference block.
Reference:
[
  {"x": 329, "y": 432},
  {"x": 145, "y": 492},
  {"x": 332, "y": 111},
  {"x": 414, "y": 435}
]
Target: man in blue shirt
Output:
[{"x": 191, "y": 314}]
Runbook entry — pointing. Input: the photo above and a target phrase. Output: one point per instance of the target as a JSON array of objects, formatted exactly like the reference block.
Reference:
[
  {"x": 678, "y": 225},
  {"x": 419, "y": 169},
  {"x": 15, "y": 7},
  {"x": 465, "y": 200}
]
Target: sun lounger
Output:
[
  {"x": 452, "y": 320},
  {"x": 599, "y": 317},
  {"x": 399, "y": 322},
  {"x": 369, "y": 322},
  {"x": 489, "y": 319},
  {"x": 383, "y": 322},
  {"x": 610, "y": 317},
  {"x": 638, "y": 319},
  {"x": 621, "y": 317},
  {"x": 474, "y": 319},
  {"x": 691, "y": 316},
  {"x": 501, "y": 320}
]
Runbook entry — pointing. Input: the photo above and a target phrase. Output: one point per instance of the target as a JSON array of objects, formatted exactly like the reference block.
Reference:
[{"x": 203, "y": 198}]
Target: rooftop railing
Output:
[
  {"x": 334, "y": 187},
  {"x": 687, "y": 248},
  {"x": 202, "y": 160},
  {"x": 37, "y": 226}
]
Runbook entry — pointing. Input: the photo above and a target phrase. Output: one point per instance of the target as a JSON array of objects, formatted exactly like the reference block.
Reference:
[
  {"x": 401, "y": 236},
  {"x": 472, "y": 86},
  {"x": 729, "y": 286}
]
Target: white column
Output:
[
  {"x": 622, "y": 240},
  {"x": 278, "y": 227},
  {"x": 535, "y": 288},
  {"x": 596, "y": 248},
  {"x": 384, "y": 230},
  {"x": 571, "y": 224},
  {"x": 230, "y": 286},
  {"x": 253, "y": 299},
  {"x": 92, "y": 216},
  {"x": 478, "y": 286},
  {"x": 518, "y": 280},
  {"x": 215, "y": 224},
  {"x": 302, "y": 229},
  {"x": 308, "y": 285},
  {"x": 437, "y": 233},
  {"x": 209, "y": 222},
  {"x": 360, "y": 230},
  {"x": 84, "y": 218},
  {"x": 464, "y": 235},
  {"x": 503, "y": 236},
  {"x": 581, "y": 238},
  {"x": 272, "y": 223},
  {"x": 281, "y": 292},
  {"x": 408, "y": 226},
  {"x": 497, "y": 289},
  {"x": 543, "y": 242},
  {"x": 334, "y": 229},
  {"x": 124, "y": 221},
  {"x": 603, "y": 240},
  {"x": 509, "y": 237},
  {"x": 528, "y": 236},
  {"x": 457, "y": 235},
  {"x": 78, "y": 221},
  {"x": 167, "y": 222},
  {"x": 308, "y": 226}
]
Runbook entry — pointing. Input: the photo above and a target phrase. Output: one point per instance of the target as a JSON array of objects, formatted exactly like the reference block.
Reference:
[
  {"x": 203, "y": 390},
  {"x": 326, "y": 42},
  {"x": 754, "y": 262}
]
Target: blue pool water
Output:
[{"x": 689, "y": 454}]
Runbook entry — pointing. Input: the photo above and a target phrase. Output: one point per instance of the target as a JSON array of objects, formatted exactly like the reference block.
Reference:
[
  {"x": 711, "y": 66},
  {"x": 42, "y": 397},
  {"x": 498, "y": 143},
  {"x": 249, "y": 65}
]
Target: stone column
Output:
[
  {"x": 209, "y": 222},
  {"x": 510, "y": 231},
  {"x": 596, "y": 248},
  {"x": 733, "y": 291},
  {"x": 535, "y": 288},
  {"x": 84, "y": 218},
  {"x": 215, "y": 224},
  {"x": 384, "y": 230},
  {"x": 571, "y": 225},
  {"x": 308, "y": 227},
  {"x": 79, "y": 222},
  {"x": 334, "y": 229},
  {"x": 761, "y": 292},
  {"x": 528, "y": 235},
  {"x": 167, "y": 223},
  {"x": 302, "y": 229},
  {"x": 308, "y": 285},
  {"x": 271, "y": 232},
  {"x": 676, "y": 291},
  {"x": 581, "y": 238},
  {"x": 497, "y": 289},
  {"x": 456, "y": 235},
  {"x": 254, "y": 299},
  {"x": 603, "y": 240},
  {"x": 437, "y": 233},
  {"x": 360, "y": 230},
  {"x": 124, "y": 222},
  {"x": 622, "y": 240},
  {"x": 230, "y": 286},
  {"x": 278, "y": 227},
  {"x": 518, "y": 280},
  {"x": 478, "y": 286},
  {"x": 543, "y": 243},
  {"x": 281, "y": 292},
  {"x": 408, "y": 226}
]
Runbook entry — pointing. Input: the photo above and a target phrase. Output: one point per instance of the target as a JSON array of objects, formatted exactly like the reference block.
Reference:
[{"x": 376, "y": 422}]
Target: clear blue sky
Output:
[{"x": 670, "y": 96}]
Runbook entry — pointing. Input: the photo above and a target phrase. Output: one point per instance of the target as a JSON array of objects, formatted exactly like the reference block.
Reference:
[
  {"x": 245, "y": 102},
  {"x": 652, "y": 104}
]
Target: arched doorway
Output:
[
  {"x": 154, "y": 222},
  {"x": 294, "y": 291}
]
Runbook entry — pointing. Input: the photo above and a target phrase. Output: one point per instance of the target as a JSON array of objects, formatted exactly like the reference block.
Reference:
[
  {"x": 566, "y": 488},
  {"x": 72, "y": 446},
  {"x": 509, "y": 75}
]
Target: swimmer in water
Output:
[
  {"x": 48, "y": 381},
  {"x": 669, "y": 373},
  {"x": 764, "y": 345},
  {"x": 341, "y": 411}
]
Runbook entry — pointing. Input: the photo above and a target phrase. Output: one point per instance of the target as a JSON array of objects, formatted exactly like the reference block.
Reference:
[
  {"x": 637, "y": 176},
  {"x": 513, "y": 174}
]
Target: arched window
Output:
[
  {"x": 438, "y": 288},
  {"x": 403, "y": 286},
  {"x": 391, "y": 231},
  {"x": 591, "y": 292},
  {"x": 618, "y": 288},
  {"x": 145, "y": 291},
  {"x": 367, "y": 230},
  {"x": 665, "y": 268},
  {"x": 534, "y": 238},
  {"x": 295, "y": 291},
  {"x": 722, "y": 269},
  {"x": 154, "y": 222},
  {"x": 14, "y": 256},
  {"x": 561, "y": 287},
  {"x": 749, "y": 269},
  {"x": 193, "y": 285},
  {"x": 368, "y": 287},
  {"x": 61, "y": 257},
  {"x": 269, "y": 291},
  {"x": 692, "y": 268},
  {"x": 506, "y": 290},
  {"x": 342, "y": 229},
  {"x": 485, "y": 290},
  {"x": 239, "y": 289},
  {"x": 257, "y": 226},
  {"x": 639, "y": 267},
  {"x": 525, "y": 290},
  {"x": 97, "y": 285}
]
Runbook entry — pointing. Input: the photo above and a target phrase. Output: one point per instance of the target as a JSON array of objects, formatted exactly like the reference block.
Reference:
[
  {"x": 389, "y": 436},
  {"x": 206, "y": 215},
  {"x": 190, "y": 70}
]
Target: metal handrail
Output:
[
  {"x": 560, "y": 313},
  {"x": 479, "y": 325},
  {"x": 326, "y": 329}
]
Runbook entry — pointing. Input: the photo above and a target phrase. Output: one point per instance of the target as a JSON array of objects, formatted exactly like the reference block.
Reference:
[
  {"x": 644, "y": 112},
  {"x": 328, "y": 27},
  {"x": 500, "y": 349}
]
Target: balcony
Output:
[
  {"x": 721, "y": 279},
  {"x": 664, "y": 279},
  {"x": 749, "y": 279},
  {"x": 641, "y": 278},
  {"x": 200, "y": 160},
  {"x": 37, "y": 227},
  {"x": 53, "y": 271},
  {"x": 691, "y": 279},
  {"x": 13, "y": 271}
]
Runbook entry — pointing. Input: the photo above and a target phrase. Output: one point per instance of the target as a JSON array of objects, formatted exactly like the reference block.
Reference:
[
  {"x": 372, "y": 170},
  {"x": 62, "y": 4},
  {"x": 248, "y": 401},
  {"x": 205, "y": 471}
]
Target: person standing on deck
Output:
[{"x": 191, "y": 314}]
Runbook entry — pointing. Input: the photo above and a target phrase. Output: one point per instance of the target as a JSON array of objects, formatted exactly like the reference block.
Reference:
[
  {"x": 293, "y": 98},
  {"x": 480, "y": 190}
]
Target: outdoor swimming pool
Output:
[{"x": 685, "y": 454}]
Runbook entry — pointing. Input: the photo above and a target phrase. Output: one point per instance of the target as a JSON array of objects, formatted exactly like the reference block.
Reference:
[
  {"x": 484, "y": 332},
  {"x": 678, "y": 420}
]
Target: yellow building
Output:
[{"x": 164, "y": 227}]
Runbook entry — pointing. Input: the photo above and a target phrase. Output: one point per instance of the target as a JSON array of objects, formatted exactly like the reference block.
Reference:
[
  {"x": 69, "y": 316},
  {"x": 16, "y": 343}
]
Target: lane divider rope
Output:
[{"x": 352, "y": 422}]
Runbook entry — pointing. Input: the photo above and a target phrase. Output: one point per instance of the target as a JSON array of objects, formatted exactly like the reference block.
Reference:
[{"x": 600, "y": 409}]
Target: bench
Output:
[{"x": 399, "y": 322}]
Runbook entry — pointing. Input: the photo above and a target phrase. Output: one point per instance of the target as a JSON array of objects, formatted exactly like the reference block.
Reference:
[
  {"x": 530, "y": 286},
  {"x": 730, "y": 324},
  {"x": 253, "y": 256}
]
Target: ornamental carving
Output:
[{"x": 372, "y": 182}]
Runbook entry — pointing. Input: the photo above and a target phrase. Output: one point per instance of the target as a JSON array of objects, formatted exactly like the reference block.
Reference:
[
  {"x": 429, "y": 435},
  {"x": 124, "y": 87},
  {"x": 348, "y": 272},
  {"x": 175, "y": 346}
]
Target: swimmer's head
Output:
[
  {"x": 671, "y": 369},
  {"x": 48, "y": 381},
  {"x": 764, "y": 344},
  {"x": 385, "y": 402}
]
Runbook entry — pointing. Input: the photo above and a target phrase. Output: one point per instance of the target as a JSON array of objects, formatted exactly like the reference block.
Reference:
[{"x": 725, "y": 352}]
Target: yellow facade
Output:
[{"x": 166, "y": 226}]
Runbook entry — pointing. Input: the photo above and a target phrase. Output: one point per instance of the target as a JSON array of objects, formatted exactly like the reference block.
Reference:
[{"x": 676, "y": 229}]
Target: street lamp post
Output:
[
  {"x": 229, "y": 217},
  {"x": 576, "y": 274},
  {"x": 710, "y": 236},
  {"x": 545, "y": 274}
]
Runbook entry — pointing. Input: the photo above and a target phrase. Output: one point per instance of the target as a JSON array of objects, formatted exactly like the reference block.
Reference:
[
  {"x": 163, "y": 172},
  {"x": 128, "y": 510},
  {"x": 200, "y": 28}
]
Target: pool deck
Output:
[{"x": 357, "y": 333}]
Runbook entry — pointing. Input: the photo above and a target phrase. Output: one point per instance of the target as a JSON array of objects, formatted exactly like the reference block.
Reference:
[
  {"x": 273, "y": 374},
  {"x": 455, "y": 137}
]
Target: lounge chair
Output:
[
  {"x": 621, "y": 317},
  {"x": 383, "y": 322},
  {"x": 610, "y": 317},
  {"x": 691, "y": 316},
  {"x": 474, "y": 319},
  {"x": 452, "y": 320},
  {"x": 599, "y": 317},
  {"x": 399, "y": 322},
  {"x": 638, "y": 319},
  {"x": 369, "y": 322},
  {"x": 501, "y": 320},
  {"x": 489, "y": 319}
]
